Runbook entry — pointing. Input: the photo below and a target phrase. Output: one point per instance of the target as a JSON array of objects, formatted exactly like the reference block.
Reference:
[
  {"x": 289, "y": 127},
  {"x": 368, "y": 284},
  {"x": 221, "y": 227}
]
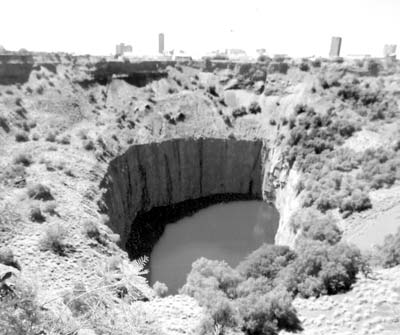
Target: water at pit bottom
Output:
[{"x": 227, "y": 231}]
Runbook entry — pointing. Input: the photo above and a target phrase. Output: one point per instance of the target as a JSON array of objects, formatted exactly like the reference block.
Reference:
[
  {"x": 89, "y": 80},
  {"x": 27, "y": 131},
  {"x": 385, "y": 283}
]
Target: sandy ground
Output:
[{"x": 371, "y": 308}]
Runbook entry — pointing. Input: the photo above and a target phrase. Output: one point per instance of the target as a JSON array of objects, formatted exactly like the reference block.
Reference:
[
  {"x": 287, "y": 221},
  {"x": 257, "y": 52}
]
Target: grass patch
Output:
[{"x": 55, "y": 239}]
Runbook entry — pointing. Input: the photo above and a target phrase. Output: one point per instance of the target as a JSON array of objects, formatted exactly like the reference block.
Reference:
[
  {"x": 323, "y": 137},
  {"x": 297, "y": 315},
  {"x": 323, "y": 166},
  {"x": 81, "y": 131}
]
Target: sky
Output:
[{"x": 298, "y": 28}]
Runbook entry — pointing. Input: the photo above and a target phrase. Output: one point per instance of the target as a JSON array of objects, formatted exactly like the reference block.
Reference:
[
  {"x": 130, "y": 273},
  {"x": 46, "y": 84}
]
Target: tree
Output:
[
  {"x": 266, "y": 261},
  {"x": 321, "y": 268},
  {"x": 389, "y": 251},
  {"x": 315, "y": 225}
]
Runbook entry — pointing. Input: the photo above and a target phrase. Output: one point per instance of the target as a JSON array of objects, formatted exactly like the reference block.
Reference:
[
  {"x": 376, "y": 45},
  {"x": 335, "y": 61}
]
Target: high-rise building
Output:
[
  {"x": 161, "y": 43},
  {"x": 389, "y": 51},
  {"x": 335, "y": 47}
]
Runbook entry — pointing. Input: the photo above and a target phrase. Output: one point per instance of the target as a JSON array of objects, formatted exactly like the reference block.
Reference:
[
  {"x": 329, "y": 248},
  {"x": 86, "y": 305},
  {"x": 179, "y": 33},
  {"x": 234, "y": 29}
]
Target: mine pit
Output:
[{"x": 209, "y": 188}]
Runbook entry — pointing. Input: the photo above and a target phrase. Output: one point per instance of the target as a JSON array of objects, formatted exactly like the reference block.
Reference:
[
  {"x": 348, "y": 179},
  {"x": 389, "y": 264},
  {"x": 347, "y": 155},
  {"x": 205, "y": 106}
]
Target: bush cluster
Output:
[
  {"x": 233, "y": 302},
  {"x": 342, "y": 178},
  {"x": 335, "y": 177},
  {"x": 253, "y": 108},
  {"x": 256, "y": 296},
  {"x": 321, "y": 269},
  {"x": 312, "y": 133},
  {"x": 369, "y": 102}
]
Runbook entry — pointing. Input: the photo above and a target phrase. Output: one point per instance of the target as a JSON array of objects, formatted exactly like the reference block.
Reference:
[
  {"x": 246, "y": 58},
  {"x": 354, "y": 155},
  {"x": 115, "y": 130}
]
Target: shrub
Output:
[
  {"x": 66, "y": 139},
  {"x": 35, "y": 137},
  {"x": 171, "y": 90},
  {"x": 51, "y": 137},
  {"x": 35, "y": 215},
  {"x": 18, "y": 101},
  {"x": 389, "y": 251},
  {"x": 54, "y": 238},
  {"x": 40, "y": 192},
  {"x": 268, "y": 313},
  {"x": 213, "y": 284},
  {"x": 22, "y": 136},
  {"x": 302, "y": 108},
  {"x": 210, "y": 275},
  {"x": 266, "y": 261},
  {"x": 160, "y": 288},
  {"x": 239, "y": 112},
  {"x": 92, "y": 99},
  {"x": 212, "y": 90},
  {"x": 7, "y": 258},
  {"x": 49, "y": 165},
  {"x": 40, "y": 90},
  {"x": 23, "y": 159},
  {"x": 69, "y": 172},
  {"x": 91, "y": 229},
  {"x": 254, "y": 108},
  {"x": 304, "y": 67},
  {"x": 88, "y": 145}
]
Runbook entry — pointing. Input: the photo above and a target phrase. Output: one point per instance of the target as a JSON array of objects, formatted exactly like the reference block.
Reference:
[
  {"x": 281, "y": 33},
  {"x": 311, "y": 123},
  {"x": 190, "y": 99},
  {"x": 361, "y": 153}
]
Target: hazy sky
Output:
[{"x": 295, "y": 27}]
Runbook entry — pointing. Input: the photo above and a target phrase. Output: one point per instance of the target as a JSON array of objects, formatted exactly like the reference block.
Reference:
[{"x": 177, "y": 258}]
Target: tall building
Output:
[
  {"x": 161, "y": 43},
  {"x": 389, "y": 51},
  {"x": 336, "y": 43}
]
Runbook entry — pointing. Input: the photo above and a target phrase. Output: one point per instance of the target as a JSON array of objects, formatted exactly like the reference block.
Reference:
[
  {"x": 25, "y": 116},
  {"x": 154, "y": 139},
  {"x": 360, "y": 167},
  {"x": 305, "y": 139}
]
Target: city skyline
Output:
[{"x": 289, "y": 27}]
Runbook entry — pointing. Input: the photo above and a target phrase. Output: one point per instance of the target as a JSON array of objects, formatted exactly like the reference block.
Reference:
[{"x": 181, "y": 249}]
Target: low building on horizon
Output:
[{"x": 121, "y": 49}]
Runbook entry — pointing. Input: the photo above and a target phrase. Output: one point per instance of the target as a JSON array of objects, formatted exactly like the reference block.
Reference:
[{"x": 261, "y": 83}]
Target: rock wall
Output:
[
  {"x": 161, "y": 174},
  {"x": 279, "y": 188}
]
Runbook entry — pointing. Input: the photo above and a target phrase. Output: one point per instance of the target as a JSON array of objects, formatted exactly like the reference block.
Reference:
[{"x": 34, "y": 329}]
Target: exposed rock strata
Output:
[
  {"x": 153, "y": 183},
  {"x": 171, "y": 172}
]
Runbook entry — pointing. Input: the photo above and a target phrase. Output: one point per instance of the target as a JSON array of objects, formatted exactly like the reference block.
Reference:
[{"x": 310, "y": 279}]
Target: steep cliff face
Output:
[
  {"x": 156, "y": 175},
  {"x": 279, "y": 188}
]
